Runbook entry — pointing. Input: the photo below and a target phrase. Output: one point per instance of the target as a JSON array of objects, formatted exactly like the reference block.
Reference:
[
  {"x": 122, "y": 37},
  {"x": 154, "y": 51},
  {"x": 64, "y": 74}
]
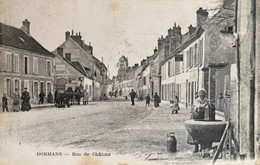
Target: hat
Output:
[
  {"x": 16, "y": 89},
  {"x": 25, "y": 87},
  {"x": 202, "y": 91}
]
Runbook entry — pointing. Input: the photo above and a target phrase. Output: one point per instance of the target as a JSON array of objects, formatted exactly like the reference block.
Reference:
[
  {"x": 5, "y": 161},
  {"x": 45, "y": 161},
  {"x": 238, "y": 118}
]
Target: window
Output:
[
  {"x": 191, "y": 57},
  {"x": 16, "y": 62},
  {"x": 8, "y": 61},
  {"x": 48, "y": 68},
  {"x": 35, "y": 89},
  {"x": 201, "y": 52},
  {"x": 35, "y": 65},
  {"x": 187, "y": 59},
  {"x": 173, "y": 66},
  {"x": 42, "y": 86},
  {"x": 169, "y": 68},
  {"x": 144, "y": 80},
  {"x": 90, "y": 90},
  {"x": 230, "y": 29},
  {"x": 68, "y": 56},
  {"x": 8, "y": 87},
  {"x": 16, "y": 85},
  {"x": 26, "y": 65},
  {"x": 195, "y": 54}
]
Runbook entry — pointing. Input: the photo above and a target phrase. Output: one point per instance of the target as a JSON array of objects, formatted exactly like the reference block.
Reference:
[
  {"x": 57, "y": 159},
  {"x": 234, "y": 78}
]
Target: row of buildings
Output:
[
  {"x": 183, "y": 63},
  {"x": 219, "y": 54},
  {"x": 26, "y": 63}
]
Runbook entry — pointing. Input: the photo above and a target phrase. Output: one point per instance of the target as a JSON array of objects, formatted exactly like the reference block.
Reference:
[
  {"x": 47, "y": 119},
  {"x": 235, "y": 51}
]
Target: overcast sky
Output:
[{"x": 114, "y": 27}]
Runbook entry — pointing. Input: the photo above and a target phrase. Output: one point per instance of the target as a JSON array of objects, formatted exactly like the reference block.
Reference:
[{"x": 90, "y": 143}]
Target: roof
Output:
[
  {"x": 17, "y": 38},
  {"x": 79, "y": 67},
  {"x": 184, "y": 45}
]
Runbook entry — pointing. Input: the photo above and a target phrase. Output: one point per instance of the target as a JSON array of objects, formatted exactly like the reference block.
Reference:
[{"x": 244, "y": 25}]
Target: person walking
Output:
[
  {"x": 147, "y": 100},
  {"x": 16, "y": 101},
  {"x": 41, "y": 95},
  {"x": 26, "y": 106},
  {"x": 157, "y": 100},
  {"x": 85, "y": 97},
  {"x": 5, "y": 103},
  {"x": 132, "y": 95}
]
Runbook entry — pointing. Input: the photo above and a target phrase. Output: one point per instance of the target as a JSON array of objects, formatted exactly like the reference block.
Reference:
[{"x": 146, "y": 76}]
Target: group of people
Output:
[
  {"x": 156, "y": 98},
  {"x": 42, "y": 96},
  {"x": 68, "y": 97},
  {"x": 18, "y": 103}
]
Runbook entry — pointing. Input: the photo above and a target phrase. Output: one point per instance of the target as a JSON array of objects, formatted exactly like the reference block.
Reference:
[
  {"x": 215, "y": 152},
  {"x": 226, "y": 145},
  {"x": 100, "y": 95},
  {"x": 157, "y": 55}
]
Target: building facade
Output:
[
  {"x": 25, "y": 63},
  {"x": 74, "y": 50},
  {"x": 202, "y": 60}
]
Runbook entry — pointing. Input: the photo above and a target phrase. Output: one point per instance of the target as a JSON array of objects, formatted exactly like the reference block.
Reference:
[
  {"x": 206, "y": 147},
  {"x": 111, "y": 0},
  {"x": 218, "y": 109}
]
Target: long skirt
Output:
[
  {"x": 26, "y": 106},
  {"x": 16, "y": 107}
]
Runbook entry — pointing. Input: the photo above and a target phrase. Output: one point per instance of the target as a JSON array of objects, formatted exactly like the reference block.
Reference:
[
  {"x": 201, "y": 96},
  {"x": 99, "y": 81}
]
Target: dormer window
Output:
[
  {"x": 230, "y": 29},
  {"x": 227, "y": 29}
]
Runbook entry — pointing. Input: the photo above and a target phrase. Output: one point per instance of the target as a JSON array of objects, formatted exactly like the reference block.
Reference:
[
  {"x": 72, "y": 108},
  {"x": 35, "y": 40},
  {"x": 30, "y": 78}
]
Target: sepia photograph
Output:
[{"x": 130, "y": 82}]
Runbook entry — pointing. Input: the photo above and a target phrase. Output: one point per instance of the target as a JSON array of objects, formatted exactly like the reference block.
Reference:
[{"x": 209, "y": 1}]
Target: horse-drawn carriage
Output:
[{"x": 68, "y": 97}]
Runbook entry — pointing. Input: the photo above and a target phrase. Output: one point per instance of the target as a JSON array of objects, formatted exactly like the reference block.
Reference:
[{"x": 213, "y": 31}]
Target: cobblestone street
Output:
[{"x": 136, "y": 132}]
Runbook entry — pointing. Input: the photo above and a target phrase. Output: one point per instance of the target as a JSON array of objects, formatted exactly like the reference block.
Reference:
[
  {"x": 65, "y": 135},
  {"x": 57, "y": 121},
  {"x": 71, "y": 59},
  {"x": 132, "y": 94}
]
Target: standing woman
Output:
[
  {"x": 16, "y": 101},
  {"x": 26, "y": 106},
  {"x": 156, "y": 100},
  {"x": 198, "y": 114}
]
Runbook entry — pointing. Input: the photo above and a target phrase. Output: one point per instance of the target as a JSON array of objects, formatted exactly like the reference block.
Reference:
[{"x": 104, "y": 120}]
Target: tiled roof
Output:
[{"x": 17, "y": 38}]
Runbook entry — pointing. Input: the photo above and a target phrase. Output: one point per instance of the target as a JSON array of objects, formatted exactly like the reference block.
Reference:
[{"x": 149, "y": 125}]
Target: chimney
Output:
[
  {"x": 170, "y": 32},
  {"x": 155, "y": 50},
  {"x": 191, "y": 30},
  {"x": 26, "y": 26},
  {"x": 202, "y": 16},
  {"x": 60, "y": 51},
  {"x": 72, "y": 32},
  {"x": 160, "y": 43},
  {"x": 67, "y": 35}
]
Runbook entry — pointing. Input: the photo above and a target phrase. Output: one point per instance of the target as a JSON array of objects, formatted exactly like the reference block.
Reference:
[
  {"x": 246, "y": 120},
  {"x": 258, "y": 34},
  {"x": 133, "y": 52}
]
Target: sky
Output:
[{"x": 114, "y": 27}]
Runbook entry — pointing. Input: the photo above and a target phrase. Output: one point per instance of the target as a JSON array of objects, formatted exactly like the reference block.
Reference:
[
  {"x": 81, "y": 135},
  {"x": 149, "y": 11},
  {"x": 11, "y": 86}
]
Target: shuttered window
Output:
[
  {"x": 16, "y": 63},
  {"x": 35, "y": 65},
  {"x": 8, "y": 61}
]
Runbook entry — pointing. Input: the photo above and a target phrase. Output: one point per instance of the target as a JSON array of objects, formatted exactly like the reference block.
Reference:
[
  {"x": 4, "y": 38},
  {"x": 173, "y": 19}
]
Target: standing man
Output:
[
  {"x": 132, "y": 94},
  {"x": 26, "y": 106}
]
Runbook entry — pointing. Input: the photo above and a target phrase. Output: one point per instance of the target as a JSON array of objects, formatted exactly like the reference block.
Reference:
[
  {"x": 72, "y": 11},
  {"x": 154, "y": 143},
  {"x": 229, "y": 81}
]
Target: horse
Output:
[
  {"x": 78, "y": 94},
  {"x": 71, "y": 95}
]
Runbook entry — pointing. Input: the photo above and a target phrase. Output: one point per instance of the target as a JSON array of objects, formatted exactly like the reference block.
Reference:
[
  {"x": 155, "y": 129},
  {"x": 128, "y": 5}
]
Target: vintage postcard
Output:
[{"x": 120, "y": 82}]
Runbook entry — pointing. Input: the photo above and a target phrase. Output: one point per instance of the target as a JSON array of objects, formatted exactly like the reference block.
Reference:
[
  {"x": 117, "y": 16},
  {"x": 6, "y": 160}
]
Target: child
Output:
[
  {"x": 147, "y": 98},
  {"x": 174, "y": 106},
  {"x": 4, "y": 103}
]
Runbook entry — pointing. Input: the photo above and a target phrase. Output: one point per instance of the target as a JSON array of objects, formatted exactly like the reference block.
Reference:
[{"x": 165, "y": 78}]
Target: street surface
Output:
[{"x": 112, "y": 128}]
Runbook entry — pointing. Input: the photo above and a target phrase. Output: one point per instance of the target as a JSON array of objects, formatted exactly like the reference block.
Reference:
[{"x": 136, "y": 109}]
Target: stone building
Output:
[
  {"x": 202, "y": 60},
  {"x": 81, "y": 55},
  {"x": 245, "y": 80},
  {"x": 71, "y": 75},
  {"x": 25, "y": 63}
]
